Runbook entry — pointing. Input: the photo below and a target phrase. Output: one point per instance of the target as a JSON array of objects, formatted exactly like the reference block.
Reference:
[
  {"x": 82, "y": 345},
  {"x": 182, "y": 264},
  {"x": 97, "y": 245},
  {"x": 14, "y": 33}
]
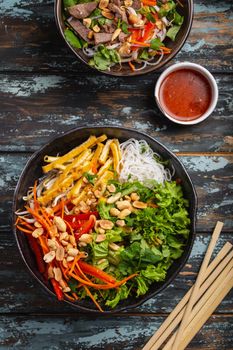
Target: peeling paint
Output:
[
  {"x": 192, "y": 48},
  {"x": 30, "y": 86},
  {"x": 127, "y": 110},
  {"x": 204, "y": 163},
  {"x": 18, "y": 8}
]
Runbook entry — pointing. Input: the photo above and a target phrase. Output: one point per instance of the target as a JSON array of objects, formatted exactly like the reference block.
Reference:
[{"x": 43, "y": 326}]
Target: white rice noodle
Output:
[
  {"x": 156, "y": 62},
  {"x": 138, "y": 164},
  {"x": 114, "y": 46},
  {"x": 19, "y": 213},
  {"x": 157, "y": 8},
  {"x": 88, "y": 52},
  {"x": 123, "y": 60},
  {"x": 131, "y": 11},
  {"x": 142, "y": 67},
  {"x": 162, "y": 34},
  {"x": 165, "y": 21},
  {"x": 57, "y": 198},
  {"x": 30, "y": 221}
]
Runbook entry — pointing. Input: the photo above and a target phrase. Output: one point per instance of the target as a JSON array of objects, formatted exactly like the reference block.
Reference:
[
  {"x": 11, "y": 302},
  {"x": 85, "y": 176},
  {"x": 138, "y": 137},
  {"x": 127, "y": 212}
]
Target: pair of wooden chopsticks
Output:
[{"x": 213, "y": 283}]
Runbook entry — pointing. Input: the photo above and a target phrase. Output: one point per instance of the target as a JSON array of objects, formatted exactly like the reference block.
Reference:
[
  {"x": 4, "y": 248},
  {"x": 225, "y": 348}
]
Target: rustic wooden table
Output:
[{"x": 44, "y": 91}]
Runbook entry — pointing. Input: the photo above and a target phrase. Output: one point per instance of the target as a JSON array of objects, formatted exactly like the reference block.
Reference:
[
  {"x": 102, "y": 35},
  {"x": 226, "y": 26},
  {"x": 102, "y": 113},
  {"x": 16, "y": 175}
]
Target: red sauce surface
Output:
[{"x": 185, "y": 94}]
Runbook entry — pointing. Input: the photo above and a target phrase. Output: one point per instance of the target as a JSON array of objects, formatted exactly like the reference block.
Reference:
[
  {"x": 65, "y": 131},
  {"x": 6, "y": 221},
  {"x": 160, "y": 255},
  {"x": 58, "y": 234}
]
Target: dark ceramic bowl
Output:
[
  {"x": 69, "y": 140},
  {"x": 186, "y": 11}
]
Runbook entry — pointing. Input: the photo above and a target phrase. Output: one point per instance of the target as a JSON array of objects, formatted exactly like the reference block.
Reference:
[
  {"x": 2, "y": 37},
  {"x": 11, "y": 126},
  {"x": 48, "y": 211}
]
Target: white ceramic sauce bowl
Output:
[{"x": 201, "y": 70}]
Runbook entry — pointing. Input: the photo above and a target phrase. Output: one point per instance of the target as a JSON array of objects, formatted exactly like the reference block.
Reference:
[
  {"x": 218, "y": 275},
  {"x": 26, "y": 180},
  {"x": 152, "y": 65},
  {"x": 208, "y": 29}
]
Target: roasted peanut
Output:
[
  {"x": 60, "y": 253},
  {"x": 111, "y": 188},
  {"x": 49, "y": 256},
  {"x": 87, "y": 23},
  {"x": 106, "y": 224},
  {"x": 60, "y": 223},
  {"x": 103, "y": 4},
  {"x": 86, "y": 238},
  {"x": 139, "y": 205},
  {"x": 70, "y": 258},
  {"x": 120, "y": 223},
  {"x": 116, "y": 34},
  {"x": 96, "y": 28},
  {"x": 52, "y": 244},
  {"x": 57, "y": 273},
  {"x": 128, "y": 3},
  {"x": 114, "y": 212},
  {"x": 73, "y": 252},
  {"x": 114, "y": 198},
  {"x": 100, "y": 238},
  {"x": 38, "y": 232},
  {"x": 134, "y": 196},
  {"x": 124, "y": 213},
  {"x": 114, "y": 246},
  {"x": 64, "y": 236},
  {"x": 123, "y": 205}
]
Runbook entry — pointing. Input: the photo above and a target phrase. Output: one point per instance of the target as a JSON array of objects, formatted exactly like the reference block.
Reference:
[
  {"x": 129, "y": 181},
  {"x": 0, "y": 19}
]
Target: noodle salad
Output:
[
  {"x": 105, "y": 221},
  {"x": 111, "y": 32}
]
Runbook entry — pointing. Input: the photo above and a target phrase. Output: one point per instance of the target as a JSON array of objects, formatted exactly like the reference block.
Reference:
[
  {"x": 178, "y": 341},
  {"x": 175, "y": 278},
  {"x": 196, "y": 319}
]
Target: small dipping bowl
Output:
[{"x": 186, "y": 93}]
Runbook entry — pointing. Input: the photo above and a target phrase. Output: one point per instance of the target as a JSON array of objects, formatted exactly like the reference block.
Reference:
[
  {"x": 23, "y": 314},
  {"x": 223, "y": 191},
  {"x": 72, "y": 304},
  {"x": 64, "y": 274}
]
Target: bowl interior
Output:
[
  {"x": 63, "y": 144},
  {"x": 186, "y": 11}
]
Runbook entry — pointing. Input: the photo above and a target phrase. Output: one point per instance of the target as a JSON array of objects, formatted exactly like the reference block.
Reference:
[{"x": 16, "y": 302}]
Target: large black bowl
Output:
[
  {"x": 64, "y": 143},
  {"x": 186, "y": 10}
]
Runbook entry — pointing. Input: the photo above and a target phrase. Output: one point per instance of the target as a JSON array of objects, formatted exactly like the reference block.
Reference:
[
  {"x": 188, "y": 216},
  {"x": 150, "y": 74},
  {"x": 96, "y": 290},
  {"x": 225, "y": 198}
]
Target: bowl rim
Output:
[
  {"x": 137, "y": 73},
  {"x": 192, "y": 229},
  {"x": 205, "y": 73}
]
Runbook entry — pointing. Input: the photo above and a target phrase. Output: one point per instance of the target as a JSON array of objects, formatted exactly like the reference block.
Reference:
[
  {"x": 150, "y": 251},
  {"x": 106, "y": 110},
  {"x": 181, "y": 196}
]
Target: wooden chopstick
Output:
[
  {"x": 209, "y": 294},
  {"x": 171, "y": 321},
  {"x": 213, "y": 270},
  {"x": 206, "y": 311},
  {"x": 197, "y": 284}
]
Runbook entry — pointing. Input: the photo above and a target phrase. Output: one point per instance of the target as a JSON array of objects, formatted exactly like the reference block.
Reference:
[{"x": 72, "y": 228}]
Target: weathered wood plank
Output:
[
  {"x": 46, "y": 106},
  {"x": 115, "y": 333},
  {"x": 20, "y": 292},
  {"x": 212, "y": 177},
  {"x": 28, "y": 32}
]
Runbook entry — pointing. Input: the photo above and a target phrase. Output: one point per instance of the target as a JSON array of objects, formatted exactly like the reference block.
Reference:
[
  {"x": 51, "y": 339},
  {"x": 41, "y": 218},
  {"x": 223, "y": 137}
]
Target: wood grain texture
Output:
[
  {"x": 28, "y": 31},
  {"x": 110, "y": 333},
  {"x": 46, "y": 106}
]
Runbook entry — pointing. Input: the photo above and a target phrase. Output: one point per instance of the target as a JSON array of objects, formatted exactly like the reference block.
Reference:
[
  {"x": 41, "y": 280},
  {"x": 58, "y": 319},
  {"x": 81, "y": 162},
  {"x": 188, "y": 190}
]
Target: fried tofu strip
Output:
[
  {"x": 115, "y": 154},
  {"x": 72, "y": 154},
  {"x": 104, "y": 155}
]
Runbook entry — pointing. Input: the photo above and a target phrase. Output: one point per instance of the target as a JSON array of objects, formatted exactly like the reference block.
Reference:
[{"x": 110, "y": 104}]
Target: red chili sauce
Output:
[{"x": 185, "y": 94}]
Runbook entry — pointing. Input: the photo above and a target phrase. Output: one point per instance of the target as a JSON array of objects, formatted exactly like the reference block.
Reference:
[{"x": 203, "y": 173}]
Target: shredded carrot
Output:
[
  {"x": 75, "y": 296},
  {"x": 132, "y": 67},
  {"x": 23, "y": 229},
  {"x": 165, "y": 49},
  {"x": 92, "y": 298},
  {"x": 62, "y": 208},
  {"x": 25, "y": 223},
  {"x": 73, "y": 264},
  {"x": 45, "y": 216},
  {"x": 69, "y": 297},
  {"x": 82, "y": 273},
  {"x": 43, "y": 244},
  {"x": 140, "y": 43},
  {"x": 38, "y": 217},
  {"x": 148, "y": 2}
]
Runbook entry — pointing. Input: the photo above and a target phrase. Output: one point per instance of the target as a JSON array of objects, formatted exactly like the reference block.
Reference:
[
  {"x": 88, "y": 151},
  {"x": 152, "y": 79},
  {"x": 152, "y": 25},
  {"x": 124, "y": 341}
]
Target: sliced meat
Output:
[
  {"x": 120, "y": 12},
  {"x": 80, "y": 29},
  {"x": 82, "y": 10},
  {"x": 102, "y": 38},
  {"x": 109, "y": 28},
  {"x": 136, "y": 4},
  {"x": 122, "y": 37}
]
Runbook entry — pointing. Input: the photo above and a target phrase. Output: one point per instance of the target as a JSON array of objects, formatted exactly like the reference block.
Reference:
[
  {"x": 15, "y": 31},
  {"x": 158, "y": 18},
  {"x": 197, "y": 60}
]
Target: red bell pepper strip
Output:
[
  {"x": 95, "y": 272},
  {"x": 148, "y": 31},
  {"x": 73, "y": 218},
  {"x": 57, "y": 289},
  {"x": 37, "y": 253},
  {"x": 86, "y": 227}
]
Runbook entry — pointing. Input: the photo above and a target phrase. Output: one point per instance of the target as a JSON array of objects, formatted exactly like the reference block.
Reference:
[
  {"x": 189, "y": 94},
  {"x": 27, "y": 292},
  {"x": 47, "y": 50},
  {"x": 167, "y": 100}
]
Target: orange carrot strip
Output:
[
  {"x": 62, "y": 208},
  {"x": 43, "y": 244},
  {"x": 45, "y": 216},
  {"x": 132, "y": 67},
  {"x": 82, "y": 273},
  {"x": 73, "y": 265},
  {"x": 25, "y": 223},
  {"x": 92, "y": 298},
  {"x": 23, "y": 229},
  {"x": 39, "y": 218},
  {"x": 140, "y": 43},
  {"x": 148, "y": 2}
]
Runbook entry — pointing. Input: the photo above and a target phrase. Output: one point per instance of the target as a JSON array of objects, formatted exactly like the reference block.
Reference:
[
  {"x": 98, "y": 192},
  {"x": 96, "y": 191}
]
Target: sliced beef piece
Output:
[
  {"x": 102, "y": 38},
  {"x": 109, "y": 28},
  {"x": 80, "y": 29},
  {"x": 136, "y": 4},
  {"x": 122, "y": 37},
  {"x": 82, "y": 10},
  {"x": 120, "y": 12}
]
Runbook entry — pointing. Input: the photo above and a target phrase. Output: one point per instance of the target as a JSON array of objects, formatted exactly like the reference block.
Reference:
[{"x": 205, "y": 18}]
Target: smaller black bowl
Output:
[
  {"x": 186, "y": 10},
  {"x": 66, "y": 142}
]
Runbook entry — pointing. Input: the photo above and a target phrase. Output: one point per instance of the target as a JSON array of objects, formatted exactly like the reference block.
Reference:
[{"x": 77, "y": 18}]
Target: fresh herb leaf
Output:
[
  {"x": 68, "y": 3},
  {"x": 150, "y": 17},
  {"x": 172, "y": 32},
  {"x": 144, "y": 55},
  {"x": 90, "y": 178},
  {"x": 72, "y": 39},
  {"x": 155, "y": 44}
]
